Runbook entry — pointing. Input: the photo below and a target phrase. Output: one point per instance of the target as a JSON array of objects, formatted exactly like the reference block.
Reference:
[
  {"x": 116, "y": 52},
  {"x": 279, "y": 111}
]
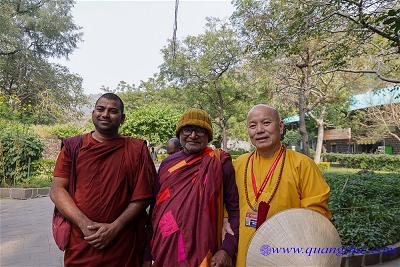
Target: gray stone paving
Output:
[{"x": 25, "y": 233}]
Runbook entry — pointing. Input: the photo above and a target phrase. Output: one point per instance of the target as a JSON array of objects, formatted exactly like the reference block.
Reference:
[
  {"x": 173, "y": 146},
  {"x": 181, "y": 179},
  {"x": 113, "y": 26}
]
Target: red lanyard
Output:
[{"x": 269, "y": 174}]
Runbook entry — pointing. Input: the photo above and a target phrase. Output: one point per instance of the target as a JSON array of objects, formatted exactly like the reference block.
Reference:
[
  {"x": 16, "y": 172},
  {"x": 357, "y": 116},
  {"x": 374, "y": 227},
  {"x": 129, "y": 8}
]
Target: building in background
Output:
[{"x": 342, "y": 140}]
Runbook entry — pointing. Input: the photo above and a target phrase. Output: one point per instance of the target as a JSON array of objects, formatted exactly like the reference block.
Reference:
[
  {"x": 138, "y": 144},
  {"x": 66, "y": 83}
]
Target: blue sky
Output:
[{"x": 122, "y": 39}]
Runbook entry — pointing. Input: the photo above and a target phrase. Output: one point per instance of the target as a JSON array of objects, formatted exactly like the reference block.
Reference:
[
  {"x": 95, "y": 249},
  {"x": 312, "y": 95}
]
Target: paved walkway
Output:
[
  {"x": 25, "y": 233},
  {"x": 26, "y": 239}
]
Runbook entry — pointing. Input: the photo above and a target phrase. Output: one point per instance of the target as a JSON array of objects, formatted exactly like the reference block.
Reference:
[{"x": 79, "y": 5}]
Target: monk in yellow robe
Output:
[{"x": 280, "y": 178}]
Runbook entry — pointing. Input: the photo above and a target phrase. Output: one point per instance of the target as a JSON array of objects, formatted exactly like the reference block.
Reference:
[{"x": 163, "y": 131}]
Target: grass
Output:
[
  {"x": 349, "y": 170},
  {"x": 36, "y": 181}
]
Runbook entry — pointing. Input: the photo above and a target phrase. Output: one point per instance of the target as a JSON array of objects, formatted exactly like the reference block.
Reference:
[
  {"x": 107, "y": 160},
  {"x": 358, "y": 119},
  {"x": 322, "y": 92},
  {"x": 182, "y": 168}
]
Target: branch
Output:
[
  {"x": 312, "y": 116},
  {"x": 395, "y": 136},
  {"x": 369, "y": 27},
  {"x": 10, "y": 53},
  {"x": 369, "y": 72}
]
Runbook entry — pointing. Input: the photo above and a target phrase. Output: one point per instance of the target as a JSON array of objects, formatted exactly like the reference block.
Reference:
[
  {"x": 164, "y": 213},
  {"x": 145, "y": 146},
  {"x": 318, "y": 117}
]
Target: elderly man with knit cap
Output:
[{"x": 192, "y": 189}]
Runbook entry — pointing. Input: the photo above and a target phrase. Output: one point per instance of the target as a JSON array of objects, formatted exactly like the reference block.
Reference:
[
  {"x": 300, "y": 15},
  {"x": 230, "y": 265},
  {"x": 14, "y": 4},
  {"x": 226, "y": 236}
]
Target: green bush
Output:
[
  {"x": 372, "y": 162},
  {"x": 292, "y": 138},
  {"x": 161, "y": 157},
  {"x": 324, "y": 166},
  {"x": 19, "y": 146},
  {"x": 36, "y": 181},
  {"x": 63, "y": 131},
  {"x": 365, "y": 207},
  {"x": 42, "y": 173},
  {"x": 154, "y": 122},
  {"x": 43, "y": 166}
]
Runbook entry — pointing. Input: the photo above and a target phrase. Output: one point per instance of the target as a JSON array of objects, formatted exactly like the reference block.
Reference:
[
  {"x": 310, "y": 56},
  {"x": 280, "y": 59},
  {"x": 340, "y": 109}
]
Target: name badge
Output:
[{"x": 251, "y": 219}]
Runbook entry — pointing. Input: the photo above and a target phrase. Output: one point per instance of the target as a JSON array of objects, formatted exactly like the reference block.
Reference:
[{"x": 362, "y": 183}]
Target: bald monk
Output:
[{"x": 272, "y": 179}]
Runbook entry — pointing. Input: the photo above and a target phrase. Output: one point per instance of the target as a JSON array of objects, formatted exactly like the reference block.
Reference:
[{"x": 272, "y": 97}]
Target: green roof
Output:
[{"x": 378, "y": 97}]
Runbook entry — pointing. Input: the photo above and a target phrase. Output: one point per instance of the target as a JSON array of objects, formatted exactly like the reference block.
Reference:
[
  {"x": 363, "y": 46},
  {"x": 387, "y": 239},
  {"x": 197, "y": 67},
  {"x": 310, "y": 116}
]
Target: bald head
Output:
[
  {"x": 173, "y": 146},
  {"x": 264, "y": 108},
  {"x": 265, "y": 128}
]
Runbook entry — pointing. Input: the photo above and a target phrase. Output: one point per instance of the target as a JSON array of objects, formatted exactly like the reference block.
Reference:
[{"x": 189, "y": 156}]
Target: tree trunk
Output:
[
  {"x": 320, "y": 138},
  {"x": 225, "y": 138},
  {"x": 302, "y": 123}
]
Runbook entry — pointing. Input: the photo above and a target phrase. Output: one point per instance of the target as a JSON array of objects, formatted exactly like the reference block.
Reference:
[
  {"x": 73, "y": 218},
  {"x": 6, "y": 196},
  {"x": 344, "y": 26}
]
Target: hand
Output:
[
  {"x": 84, "y": 227},
  {"x": 103, "y": 236},
  {"x": 226, "y": 228},
  {"x": 221, "y": 259}
]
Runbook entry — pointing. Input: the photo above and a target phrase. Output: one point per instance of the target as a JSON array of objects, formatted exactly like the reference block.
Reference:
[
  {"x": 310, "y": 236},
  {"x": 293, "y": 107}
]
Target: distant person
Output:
[
  {"x": 173, "y": 146},
  {"x": 192, "y": 187},
  {"x": 272, "y": 179},
  {"x": 113, "y": 185},
  {"x": 153, "y": 154}
]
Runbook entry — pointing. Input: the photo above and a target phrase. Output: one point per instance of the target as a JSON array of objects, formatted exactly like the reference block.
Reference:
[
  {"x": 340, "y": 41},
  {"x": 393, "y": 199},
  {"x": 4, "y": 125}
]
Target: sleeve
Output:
[
  {"x": 63, "y": 165},
  {"x": 314, "y": 189},
  {"x": 146, "y": 175},
  {"x": 231, "y": 203}
]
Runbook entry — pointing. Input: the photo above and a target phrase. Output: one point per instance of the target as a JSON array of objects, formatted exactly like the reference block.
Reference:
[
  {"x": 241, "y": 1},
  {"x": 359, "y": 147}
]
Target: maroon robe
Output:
[
  {"x": 110, "y": 175},
  {"x": 185, "y": 216}
]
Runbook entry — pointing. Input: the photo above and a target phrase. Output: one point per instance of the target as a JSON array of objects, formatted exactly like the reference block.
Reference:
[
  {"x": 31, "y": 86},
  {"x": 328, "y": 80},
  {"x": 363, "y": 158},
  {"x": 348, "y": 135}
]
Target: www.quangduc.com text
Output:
[{"x": 340, "y": 251}]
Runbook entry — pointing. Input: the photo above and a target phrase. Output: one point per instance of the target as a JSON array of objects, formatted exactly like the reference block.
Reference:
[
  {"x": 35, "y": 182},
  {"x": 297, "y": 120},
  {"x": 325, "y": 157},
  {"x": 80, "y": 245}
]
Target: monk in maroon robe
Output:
[
  {"x": 114, "y": 176},
  {"x": 192, "y": 188}
]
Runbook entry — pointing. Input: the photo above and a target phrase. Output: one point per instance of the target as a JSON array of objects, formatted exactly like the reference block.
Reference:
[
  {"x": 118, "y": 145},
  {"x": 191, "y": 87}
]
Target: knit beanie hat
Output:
[{"x": 196, "y": 117}]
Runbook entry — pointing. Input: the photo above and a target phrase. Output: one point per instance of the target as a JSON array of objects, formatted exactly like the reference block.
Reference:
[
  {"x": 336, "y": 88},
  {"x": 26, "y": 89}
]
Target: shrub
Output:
[
  {"x": 365, "y": 207},
  {"x": 161, "y": 157},
  {"x": 42, "y": 173},
  {"x": 155, "y": 123},
  {"x": 373, "y": 162},
  {"x": 324, "y": 166},
  {"x": 63, "y": 131},
  {"x": 19, "y": 146},
  {"x": 291, "y": 138},
  {"x": 43, "y": 167}
]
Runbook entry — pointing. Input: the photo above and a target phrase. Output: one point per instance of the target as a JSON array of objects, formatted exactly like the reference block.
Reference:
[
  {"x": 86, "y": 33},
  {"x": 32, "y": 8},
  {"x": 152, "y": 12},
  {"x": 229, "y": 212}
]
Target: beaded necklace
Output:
[{"x": 254, "y": 207}]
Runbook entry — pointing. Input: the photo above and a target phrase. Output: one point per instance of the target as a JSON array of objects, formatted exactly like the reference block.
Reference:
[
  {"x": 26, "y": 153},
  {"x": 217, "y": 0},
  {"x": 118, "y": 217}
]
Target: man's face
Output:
[
  {"x": 264, "y": 128},
  {"x": 193, "y": 139},
  {"x": 107, "y": 116}
]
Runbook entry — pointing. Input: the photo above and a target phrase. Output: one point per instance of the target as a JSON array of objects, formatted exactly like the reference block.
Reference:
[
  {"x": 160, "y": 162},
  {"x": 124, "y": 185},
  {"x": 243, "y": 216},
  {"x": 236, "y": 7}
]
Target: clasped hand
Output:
[{"x": 101, "y": 234}]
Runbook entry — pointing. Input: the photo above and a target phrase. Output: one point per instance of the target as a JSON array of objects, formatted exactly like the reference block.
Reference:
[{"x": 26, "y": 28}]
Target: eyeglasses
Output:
[{"x": 198, "y": 131}]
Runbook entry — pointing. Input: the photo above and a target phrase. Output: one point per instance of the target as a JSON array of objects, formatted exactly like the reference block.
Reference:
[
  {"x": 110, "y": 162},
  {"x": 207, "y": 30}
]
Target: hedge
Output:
[
  {"x": 365, "y": 207},
  {"x": 372, "y": 162}
]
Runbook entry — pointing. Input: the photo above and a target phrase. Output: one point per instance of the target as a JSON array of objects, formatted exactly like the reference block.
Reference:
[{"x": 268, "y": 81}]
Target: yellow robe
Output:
[{"x": 301, "y": 186}]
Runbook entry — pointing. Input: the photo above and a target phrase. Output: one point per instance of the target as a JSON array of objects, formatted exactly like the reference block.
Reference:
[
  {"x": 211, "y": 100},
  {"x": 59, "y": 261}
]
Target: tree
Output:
[
  {"x": 292, "y": 137},
  {"x": 31, "y": 32},
  {"x": 298, "y": 58},
  {"x": 40, "y": 92},
  {"x": 40, "y": 27},
  {"x": 375, "y": 26},
  {"x": 362, "y": 17},
  {"x": 155, "y": 123},
  {"x": 361, "y": 28},
  {"x": 379, "y": 121},
  {"x": 207, "y": 69}
]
